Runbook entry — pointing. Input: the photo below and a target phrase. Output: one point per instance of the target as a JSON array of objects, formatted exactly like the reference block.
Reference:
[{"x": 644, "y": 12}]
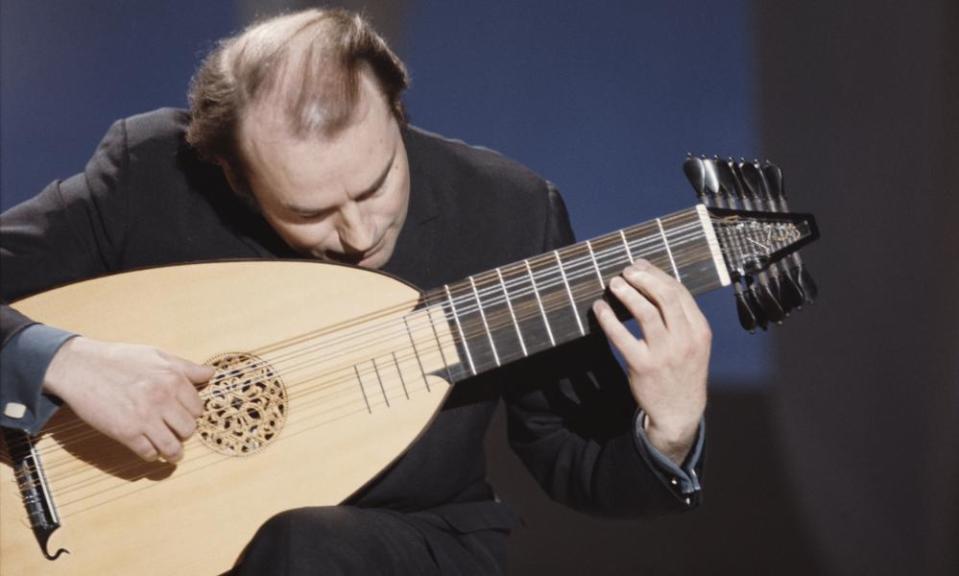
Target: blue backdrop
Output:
[{"x": 603, "y": 98}]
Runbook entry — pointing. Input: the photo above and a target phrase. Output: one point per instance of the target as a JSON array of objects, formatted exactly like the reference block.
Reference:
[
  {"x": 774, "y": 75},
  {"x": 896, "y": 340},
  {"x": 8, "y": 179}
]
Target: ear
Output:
[
  {"x": 237, "y": 184},
  {"x": 229, "y": 174}
]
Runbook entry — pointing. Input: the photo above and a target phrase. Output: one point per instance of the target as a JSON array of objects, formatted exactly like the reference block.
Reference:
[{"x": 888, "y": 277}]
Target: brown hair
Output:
[{"x": 309, "y": 61}]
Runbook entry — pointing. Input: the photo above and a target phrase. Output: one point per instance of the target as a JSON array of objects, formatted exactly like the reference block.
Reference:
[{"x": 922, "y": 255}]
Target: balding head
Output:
[{"x": 302, "y": 69}]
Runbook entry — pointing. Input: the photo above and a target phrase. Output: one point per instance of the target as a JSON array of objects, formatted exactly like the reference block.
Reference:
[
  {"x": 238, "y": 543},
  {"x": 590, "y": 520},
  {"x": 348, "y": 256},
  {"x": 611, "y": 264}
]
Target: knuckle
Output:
[
  {"x": 706, "y": 334},
  {"x": 644, "y": 311},
  {"x": 670, "y": 290},
  {"x": 129, "y": 435}
]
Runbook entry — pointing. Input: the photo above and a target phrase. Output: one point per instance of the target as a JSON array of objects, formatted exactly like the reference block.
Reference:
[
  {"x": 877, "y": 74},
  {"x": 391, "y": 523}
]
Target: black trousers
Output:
[{"x": 349, "y": 540}]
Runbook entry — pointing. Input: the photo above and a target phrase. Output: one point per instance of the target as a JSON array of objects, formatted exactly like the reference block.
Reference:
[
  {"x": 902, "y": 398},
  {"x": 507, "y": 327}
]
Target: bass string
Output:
[{"x": 498, "y": 320}]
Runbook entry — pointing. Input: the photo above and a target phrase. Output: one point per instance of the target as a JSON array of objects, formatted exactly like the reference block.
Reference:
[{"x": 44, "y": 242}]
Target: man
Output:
[{"x": 296, "y": 145}]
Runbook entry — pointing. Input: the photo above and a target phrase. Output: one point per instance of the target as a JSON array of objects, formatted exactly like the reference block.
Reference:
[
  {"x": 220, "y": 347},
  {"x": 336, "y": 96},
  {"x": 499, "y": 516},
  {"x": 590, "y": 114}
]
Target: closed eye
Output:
[{"x": 317, "y": 215}]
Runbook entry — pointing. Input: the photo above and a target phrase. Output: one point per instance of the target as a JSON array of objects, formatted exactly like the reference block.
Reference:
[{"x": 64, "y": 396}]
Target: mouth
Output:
[{"x": 355, "y": 258}]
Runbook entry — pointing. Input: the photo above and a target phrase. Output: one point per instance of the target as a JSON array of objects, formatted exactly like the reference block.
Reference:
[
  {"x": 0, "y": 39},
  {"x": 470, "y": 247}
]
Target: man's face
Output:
[{"x": 343, "y": 197}]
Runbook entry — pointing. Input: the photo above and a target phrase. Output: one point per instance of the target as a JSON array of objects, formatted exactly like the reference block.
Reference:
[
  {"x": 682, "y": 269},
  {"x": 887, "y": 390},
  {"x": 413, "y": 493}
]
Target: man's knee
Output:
[{"x": 328, "y": 540}]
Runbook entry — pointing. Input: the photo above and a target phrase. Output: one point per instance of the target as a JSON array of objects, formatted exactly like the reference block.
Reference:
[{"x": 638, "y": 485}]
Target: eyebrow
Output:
[{"x": 369, "y": 190}]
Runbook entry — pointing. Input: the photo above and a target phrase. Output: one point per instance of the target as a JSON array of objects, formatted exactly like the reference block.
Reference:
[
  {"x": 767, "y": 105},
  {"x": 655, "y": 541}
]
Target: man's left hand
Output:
[{"x": 667, "y": 367}]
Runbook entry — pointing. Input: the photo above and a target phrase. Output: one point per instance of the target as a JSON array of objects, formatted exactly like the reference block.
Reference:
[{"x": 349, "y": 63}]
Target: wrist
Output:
[
  {"x": 674, "y": 439},
  {"x": 57, "y": 374}
]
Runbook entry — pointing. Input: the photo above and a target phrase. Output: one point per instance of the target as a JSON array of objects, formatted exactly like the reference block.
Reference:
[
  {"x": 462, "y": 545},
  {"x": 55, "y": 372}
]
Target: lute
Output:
[{"x": 333, "y": 392}]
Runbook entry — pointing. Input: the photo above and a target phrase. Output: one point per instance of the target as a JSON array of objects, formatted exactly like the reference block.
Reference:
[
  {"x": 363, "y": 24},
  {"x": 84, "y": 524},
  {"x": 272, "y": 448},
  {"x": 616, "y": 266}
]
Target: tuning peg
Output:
[
  {"x": 752, "y": 178},
  {"x": 711, "y": 182},
  {"x": 809, "y": 288},
  {"x": 800, "y": 276},
  {"x": 696, "y": 174},
  {"x": 790, "y": 294},
  {"x": 773, "y": 178},
  {"x": 728, "y": 182},
  {"x": 773, "y": 310},
  {"x": 755, "y": 304},
  {"x": 746, "y": 312}
]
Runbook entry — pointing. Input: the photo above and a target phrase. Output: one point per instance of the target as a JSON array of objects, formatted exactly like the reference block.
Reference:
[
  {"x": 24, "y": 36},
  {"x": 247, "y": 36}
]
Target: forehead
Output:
[{"x": 317, "y": 167}]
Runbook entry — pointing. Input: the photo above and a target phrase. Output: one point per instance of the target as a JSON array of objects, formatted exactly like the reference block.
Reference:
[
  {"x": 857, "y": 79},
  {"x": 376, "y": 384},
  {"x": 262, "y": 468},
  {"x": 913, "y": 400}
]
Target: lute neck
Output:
[{"x": 517, "y": 310}]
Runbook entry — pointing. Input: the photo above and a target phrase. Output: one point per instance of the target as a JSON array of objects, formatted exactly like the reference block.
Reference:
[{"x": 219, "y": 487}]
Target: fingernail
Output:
[{"x": 617, "y": 284}]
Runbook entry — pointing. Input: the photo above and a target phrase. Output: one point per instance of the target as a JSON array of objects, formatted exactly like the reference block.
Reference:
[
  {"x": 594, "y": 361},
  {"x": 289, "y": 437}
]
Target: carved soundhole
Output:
[{"x": 245, "y": 405}]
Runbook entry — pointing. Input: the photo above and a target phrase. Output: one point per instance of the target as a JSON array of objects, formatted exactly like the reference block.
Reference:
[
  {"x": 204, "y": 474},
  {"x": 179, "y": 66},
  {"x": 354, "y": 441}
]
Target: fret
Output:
[
  {"x": 379, "y": 379},
  {"x": 599, "y": 273},
  {"x": 359, "y": 380},
  {"x": 522, "y": 300},
  {"x": 482, "y": 312},
  {"x": 569, "y": 292},
  {"x": 629, "y": 253},
  {"x": 459, "y": 327},
  {"x": 609, "y": 253},
  {"x": 583, "y": 274},
  {"x": 399, "y": 370},
  {"x": 645, "y": 243},
  {"x": 501, "y": 343},
  {"x": 433, "y": 332},
  {"x": 669, "y": 251},
  {"x": 419, "y": 361},
  {"x": 539, "y": 301},
  {"x": 471, "y": 318},
  {"x": 554, "y": 295},
  {"x": 512, "y": 313}
]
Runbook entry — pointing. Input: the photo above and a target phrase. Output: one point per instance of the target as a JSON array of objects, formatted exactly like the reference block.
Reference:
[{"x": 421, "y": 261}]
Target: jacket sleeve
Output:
[
  {"x": 573, "y": 422},
  {"x": 68, "y": 232}
]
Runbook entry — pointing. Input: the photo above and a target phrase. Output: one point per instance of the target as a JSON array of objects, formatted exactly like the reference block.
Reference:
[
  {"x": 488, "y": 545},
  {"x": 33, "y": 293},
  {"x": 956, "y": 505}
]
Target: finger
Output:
[
  {"x": 693, "y": 313},
  {"x": 143, "y": 448},
  {"x": 616, "y": 331},
  {"x": 647, "y": 315},
  {"x": 196, "y": 373},
  {"x": 190, "y": 399},
  {"x": 166, "y": 443},
  {"x": 662, "y": 289},
  {"x": 180, "y": 421}
]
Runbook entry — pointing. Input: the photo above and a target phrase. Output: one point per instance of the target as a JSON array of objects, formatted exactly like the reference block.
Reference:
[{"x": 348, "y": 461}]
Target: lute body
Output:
[{"x": 117, "y": 512}]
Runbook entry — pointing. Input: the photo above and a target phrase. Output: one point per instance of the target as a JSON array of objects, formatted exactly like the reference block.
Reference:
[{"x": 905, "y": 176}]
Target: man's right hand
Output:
[{"x": 140, "y": 396}]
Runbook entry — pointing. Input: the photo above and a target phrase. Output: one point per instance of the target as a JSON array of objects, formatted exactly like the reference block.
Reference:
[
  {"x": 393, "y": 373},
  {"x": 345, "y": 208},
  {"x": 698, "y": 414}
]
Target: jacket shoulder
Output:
[
  {"x": 474, "y": 169},
  {"x": 157, "y": 126}
]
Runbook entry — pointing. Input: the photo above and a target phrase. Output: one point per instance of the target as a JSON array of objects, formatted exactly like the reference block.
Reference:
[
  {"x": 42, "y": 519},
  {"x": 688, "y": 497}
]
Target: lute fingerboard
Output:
[{"x": 517, "y": 310}]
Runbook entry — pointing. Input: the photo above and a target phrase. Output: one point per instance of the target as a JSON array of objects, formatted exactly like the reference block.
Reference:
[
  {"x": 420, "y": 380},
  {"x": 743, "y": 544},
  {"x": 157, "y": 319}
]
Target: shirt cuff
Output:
[
  {"x": 23, "y": 365},
  {"x": 682, "y": 479}
]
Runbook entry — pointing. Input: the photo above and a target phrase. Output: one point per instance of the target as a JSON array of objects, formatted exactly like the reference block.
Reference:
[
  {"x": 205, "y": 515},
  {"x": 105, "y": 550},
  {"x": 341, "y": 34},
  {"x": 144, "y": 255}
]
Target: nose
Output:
[{"x": 357, "y": 234}]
